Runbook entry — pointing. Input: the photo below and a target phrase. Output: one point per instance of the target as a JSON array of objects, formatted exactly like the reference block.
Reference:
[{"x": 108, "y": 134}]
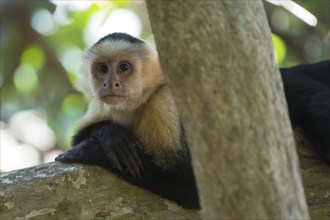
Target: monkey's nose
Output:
[{"x": 116, "y": 84}]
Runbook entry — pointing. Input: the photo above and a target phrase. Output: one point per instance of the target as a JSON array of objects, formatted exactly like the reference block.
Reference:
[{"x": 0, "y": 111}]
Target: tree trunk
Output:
[{"x": 218, "y": 58}]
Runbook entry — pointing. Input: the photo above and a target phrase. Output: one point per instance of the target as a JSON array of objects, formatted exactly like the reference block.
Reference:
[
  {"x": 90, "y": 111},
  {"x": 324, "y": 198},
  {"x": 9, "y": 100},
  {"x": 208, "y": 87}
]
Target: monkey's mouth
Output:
[{"x": 113, "y": 99}]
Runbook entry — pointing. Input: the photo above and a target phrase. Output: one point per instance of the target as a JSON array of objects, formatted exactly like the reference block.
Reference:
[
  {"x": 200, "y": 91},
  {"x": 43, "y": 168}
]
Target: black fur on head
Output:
[{"x": 120, "y": 37}]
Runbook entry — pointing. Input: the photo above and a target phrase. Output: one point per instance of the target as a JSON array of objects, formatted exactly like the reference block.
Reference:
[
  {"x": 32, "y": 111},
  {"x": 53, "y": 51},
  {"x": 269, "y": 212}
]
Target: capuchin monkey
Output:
[{"x": 132, "y": 126}]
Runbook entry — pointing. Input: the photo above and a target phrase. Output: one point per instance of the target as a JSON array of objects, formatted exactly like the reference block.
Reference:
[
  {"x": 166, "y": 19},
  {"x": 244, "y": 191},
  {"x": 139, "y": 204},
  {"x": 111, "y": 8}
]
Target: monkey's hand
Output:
[
  {"x": 86, "y": 152},
  {"x": 120, "y": 148}
]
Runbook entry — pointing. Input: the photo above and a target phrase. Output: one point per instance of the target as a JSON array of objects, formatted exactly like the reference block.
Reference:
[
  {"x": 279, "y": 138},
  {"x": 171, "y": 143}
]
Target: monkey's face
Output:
[
  {"x": 111, "y": 78},
  {"x": 120, "y": 73},
  {"x": 116, "y": 79}
]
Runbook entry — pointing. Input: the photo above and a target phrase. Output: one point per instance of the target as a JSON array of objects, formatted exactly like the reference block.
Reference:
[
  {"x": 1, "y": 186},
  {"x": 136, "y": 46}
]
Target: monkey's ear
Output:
[{"x": 84, "y": 82}]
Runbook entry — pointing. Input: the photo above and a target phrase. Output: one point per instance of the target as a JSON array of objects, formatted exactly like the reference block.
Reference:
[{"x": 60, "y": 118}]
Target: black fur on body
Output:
[{"x": 307, "y": 90}]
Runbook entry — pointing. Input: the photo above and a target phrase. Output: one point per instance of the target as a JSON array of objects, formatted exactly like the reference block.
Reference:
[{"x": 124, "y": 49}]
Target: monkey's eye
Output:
[
  {"x": 123, "y": 67},
  {"x": 102, "y": 68}
]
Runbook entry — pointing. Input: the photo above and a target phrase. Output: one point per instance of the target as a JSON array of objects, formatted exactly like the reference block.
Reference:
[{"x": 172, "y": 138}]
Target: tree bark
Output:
[
  {"x": 218, "y": 59},
  {"x": 74, "y": 191}
]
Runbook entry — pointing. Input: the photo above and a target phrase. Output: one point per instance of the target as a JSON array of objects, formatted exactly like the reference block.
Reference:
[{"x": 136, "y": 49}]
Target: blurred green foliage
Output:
[
  {"x": 39, "y": 63},
  {"x": 279, "y": 48},
  {"x": 40, "y": 58}
]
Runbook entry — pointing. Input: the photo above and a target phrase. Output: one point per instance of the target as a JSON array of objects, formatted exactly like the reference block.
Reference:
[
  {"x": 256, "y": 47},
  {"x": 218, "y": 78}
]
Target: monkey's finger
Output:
[
  {"x": 67, "y": 157},
  {"x": 134, "y": 165},
  {"x": 124, "y": 160},
  {"x": 114, "y": 159},
  {"x": 133, "y": 153},
  {"x": 134, "y": 145},
  {"x": 136, "y": 157},
  {"x": 63, "y": 158}
]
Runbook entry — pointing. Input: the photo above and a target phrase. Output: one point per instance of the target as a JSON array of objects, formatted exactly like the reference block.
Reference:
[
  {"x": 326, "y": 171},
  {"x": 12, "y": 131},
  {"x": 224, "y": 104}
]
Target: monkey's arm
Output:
[
  {"x": 95, "y": 145},
  {"x": 105, "y": 144}
]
